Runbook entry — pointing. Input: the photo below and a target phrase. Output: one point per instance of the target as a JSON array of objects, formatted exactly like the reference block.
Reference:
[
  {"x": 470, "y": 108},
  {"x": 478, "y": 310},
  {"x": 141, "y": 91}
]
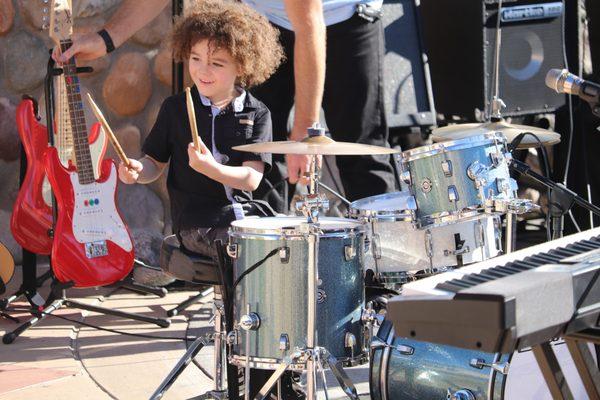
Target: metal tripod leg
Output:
[
  {"x": 266, "y": 389},
  {"x": 341, "y": 376},
  {"x": 179, "y": 367}
]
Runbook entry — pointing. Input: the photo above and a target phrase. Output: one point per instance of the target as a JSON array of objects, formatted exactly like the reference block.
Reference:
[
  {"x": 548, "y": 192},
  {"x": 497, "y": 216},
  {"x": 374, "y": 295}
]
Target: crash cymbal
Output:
[
  {"x": 316, "y": 145},
  {"x": 511, "y": 131}
]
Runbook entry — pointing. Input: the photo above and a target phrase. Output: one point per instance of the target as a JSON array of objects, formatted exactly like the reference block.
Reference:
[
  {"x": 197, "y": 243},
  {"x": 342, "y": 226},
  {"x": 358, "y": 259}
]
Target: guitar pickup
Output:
[{"x": 96, "y": 249}]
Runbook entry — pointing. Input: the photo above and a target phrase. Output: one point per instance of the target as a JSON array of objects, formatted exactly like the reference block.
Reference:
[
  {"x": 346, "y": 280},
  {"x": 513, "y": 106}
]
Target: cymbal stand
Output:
[{"x": 496, "y": 104}]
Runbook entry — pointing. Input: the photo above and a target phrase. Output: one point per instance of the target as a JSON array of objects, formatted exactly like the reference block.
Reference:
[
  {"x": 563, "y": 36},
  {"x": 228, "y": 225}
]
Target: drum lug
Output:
[
  {"x": 496, "y": 158},
  {"x": 429, "y": 244},
  {"x": 250, "y": 321},
  {"x": 501, "y": 367},
  {"x": 447, "y": 168},
  {"x": 476, "y": 171},
  {"x": 349, "y": 252},
  {"x": 284, "y": 255},
  {"x": 376, "y": 245},
  {"x": 452, "y": 193},
  {"x": 232, "y": 338},
  {"x": 462, "y": 394},
  {"x": 405, "y": 177},
  {"x": 233, "y": 250},
  {"x": 284, "y": 342},
  {"x": 350, "y": 343}
]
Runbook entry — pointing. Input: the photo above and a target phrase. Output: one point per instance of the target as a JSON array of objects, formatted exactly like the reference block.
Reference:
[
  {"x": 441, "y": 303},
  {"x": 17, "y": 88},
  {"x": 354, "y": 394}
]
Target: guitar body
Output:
[
  {"x": 31, "y": 217},
  {"x": 98, "y": 141},
  {"x": 92, "y": 245}
]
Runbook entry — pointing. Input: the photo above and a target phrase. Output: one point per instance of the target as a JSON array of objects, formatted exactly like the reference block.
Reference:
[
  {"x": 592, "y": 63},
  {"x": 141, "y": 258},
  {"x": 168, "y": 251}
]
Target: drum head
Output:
[
  {"x": 397, "y": 205},
  {"x": 292, "y": 225}
]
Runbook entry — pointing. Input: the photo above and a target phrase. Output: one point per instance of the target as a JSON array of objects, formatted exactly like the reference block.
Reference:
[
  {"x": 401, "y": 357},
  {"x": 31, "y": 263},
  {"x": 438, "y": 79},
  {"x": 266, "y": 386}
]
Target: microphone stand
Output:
[{"x": 561, "y": 198}]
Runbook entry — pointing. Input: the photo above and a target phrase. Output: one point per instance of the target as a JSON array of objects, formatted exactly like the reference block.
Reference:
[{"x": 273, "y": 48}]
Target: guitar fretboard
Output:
[{"x": 85, "y": 170}]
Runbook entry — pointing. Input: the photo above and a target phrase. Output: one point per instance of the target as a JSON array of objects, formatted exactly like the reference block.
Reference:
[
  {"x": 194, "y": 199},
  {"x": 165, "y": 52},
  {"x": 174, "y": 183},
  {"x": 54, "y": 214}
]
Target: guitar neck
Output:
[{"x": 85, "y": 170}]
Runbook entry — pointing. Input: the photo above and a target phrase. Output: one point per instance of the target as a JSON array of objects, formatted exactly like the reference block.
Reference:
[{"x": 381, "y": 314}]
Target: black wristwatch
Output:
[{"x": 110, "y": 46}]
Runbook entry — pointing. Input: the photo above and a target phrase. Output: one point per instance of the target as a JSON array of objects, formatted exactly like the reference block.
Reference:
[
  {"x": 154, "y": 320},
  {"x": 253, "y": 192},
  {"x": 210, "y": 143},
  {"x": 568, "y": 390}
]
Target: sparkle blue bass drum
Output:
[{"x": 405, "y": 369}]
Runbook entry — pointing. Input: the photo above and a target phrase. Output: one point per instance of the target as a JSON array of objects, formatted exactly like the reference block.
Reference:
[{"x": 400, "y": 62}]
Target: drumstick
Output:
[
  {"x": 111, "y": 135},
  {"x": 192, "y": 118}
]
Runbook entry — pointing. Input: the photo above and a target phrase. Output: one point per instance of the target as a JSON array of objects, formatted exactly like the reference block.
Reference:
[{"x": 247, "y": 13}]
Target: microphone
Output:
[{"x": 562, "y": 81}]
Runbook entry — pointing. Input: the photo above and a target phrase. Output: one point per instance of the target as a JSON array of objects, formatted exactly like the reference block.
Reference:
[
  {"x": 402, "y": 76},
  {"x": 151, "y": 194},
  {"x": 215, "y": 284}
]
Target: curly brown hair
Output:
[{"x": 247, "y": 35}]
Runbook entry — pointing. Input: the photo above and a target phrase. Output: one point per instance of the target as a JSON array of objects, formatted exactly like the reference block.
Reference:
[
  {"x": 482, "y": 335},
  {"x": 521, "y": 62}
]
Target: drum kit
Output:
[{"x": 299, "y": 281}]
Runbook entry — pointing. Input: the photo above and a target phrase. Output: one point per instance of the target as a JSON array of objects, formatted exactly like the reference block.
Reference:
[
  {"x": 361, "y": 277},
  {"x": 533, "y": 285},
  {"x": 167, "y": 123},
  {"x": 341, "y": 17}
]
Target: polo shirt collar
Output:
[{"x": 238, "y": 102}]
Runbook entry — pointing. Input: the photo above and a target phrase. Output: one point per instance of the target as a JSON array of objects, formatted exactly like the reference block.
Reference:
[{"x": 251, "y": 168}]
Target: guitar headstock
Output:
[{"x": 61, "y": 20}]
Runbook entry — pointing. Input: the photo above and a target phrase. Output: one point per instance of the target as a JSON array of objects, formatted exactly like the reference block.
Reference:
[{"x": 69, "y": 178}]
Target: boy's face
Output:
[{"x": 213, "y": 71}]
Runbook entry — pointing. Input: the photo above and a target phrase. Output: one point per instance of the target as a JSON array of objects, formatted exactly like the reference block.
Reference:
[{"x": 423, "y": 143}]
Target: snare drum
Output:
[
  {"x": 399, "y": 248},
  {"x": 410, "y": 369},
  {"x": 276, "y": 291},
  {"x": 454, "y": 177}
]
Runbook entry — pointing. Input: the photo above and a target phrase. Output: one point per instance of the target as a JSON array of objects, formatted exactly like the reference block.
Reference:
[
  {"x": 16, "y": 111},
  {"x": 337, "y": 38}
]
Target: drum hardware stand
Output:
[
  {"x": 561, "y": 199},
  {"x": 218, "y": 337},
  {"x": 584, "y": 361},
  {"x": 552, "y": 372}
]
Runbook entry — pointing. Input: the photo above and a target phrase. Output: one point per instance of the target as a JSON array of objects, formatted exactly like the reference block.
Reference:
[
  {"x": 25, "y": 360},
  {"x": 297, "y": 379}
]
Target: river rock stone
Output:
[
  {"x": 7, "y": 16},
  {"x": 9, "y": 137},
  {"x": 140, "y": 207},
  {"x": 147, "y": 249},
  {"x": 129, "y": 139},
  {"x": 163, "y": 66},
  {"x": 128, "y": 86},
  {"x": 25, "y": 62},
  {"x": 90, "y": 8}
]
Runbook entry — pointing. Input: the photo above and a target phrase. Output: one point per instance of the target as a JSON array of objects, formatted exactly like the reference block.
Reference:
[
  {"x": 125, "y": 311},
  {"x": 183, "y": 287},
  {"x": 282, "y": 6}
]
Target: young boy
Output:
[{"x": 228, "y": 47}]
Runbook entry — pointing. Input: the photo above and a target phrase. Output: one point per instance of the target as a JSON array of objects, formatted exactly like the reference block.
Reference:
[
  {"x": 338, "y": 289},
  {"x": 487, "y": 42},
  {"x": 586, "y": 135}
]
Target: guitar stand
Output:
[{"x": 53, "y": 305}]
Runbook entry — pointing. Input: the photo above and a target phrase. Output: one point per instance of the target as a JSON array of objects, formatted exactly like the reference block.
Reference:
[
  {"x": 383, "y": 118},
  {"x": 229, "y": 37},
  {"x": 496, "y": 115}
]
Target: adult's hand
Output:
[{"x": 87, "y": 46}]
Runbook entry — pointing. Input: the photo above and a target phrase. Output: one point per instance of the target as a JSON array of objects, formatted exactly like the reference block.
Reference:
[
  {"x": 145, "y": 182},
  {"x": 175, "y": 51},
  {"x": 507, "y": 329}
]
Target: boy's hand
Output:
[
  {"x": 130, "y": 175},
  {"x": 201, "y": 161}
]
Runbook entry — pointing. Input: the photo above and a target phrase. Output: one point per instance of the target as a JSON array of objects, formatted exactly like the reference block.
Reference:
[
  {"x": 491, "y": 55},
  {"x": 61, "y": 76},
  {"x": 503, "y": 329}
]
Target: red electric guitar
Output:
[
  {"x": 31, "y": 219},
  {"x": 92, "y": 246}
]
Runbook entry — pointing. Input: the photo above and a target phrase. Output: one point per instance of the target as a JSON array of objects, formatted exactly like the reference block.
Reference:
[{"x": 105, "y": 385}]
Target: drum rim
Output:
[
  {"x": 357, "y": 211},
  {"x": 272, "y": 363},
  {"x": 355, "y": 228},
  {"x": 453, "y": 145}
]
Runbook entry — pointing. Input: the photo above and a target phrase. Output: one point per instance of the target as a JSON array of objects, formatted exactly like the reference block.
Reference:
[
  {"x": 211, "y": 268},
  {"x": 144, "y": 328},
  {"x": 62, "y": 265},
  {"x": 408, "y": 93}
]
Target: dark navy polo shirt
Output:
[{"x": 196, "y": 200}]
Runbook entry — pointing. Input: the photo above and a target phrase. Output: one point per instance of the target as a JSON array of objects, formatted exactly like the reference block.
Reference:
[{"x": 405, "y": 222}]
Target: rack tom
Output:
[{"x": 458, "y": 176}]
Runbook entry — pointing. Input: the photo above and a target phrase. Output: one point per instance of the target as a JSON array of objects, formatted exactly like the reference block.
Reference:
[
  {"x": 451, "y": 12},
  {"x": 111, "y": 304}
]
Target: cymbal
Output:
[
  {"x": 316, "y": 145},
  {"x": 511, "y": 131}
]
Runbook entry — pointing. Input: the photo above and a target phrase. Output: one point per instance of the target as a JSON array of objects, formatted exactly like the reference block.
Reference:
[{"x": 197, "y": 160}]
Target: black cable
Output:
[
  {"x": 513, "y": 145},
  {"x": 39, "y": 313},
  {"x": 253, "y": 267}
]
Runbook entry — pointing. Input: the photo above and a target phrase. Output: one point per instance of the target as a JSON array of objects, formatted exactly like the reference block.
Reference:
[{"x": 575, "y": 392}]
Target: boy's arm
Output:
[
  {"x": 145, "y": 170},
  {"x": 246, "y": 177}
]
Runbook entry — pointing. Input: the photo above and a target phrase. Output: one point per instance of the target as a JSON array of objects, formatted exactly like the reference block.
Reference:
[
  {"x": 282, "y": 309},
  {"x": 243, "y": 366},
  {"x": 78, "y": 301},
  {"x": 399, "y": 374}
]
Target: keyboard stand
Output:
[
  {"x": 584, "y": 360},
  {"x": 552, "y": 372}
]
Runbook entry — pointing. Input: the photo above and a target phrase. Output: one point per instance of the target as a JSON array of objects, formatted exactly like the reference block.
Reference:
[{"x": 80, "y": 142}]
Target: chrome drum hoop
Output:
[
  {"x": 273, "y": 363},
  {"x": 455, "y": 145},
  {"x": 295, "y": 229}
]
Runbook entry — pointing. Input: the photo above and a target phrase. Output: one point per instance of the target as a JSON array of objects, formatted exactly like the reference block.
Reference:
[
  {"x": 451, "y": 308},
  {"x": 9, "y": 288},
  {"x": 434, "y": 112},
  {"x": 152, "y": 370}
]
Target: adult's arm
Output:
[
  {"x": 307, "y": 20},
  {"x": 129, "y": 18}
]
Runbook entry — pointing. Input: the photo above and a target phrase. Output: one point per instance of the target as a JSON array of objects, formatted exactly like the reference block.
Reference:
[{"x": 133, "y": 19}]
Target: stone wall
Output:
[{"x": 128, "y": 85}]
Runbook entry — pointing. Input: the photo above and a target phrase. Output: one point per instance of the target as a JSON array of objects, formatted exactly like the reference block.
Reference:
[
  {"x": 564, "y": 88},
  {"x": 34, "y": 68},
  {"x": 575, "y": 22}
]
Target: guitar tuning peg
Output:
[
  {"x": 46, "y": 1},
  {"x": 45, "y": 10},
  {"x": 45, "y": 26}
]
